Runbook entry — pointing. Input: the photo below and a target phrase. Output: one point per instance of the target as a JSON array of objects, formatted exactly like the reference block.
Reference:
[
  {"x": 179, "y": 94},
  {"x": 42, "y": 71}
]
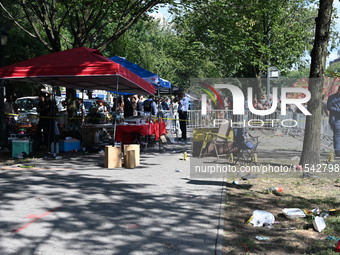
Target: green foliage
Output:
[
  {"x": 154, "y": 45},
  {"x": 299, "y": 73},
  {"x": 333, "y": 70},
  {"x": 20, "y": 47},
  {"x": 60, "y": 25},
  {"x": 244, "y": 36}
]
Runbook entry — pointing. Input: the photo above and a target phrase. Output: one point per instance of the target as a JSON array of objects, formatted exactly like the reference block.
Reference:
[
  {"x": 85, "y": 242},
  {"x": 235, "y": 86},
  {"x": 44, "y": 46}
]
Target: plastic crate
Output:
[
  {"x": 69, "y": 145},
  {"x": 19, "y": 146}
]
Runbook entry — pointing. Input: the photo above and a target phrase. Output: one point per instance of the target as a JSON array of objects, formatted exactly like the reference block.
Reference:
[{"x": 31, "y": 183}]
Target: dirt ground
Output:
[{"x": 288, "y": 236}]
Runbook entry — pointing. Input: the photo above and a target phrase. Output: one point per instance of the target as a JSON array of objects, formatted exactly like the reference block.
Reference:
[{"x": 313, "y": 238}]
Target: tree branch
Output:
[
  {"x": 16, "y": 22},
  {"x": 127, "y": 24}
]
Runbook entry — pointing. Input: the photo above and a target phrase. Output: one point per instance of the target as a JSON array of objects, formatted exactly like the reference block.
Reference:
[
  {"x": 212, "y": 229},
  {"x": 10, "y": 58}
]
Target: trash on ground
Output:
[
  {"x": 25, "y": 166},
  {"x": 333, "y": 238},
  {"x": 261, "y": 238},
  {"x": 235, "y": 182},
  {"x": 185, "y": 156},
  {"x": 292, "y": 213},
  {"x": 259, "y": 218},
  {"x": 278, "y": 189},
  {"x": 319, "y": 223},
  {"x": 337, "y": 249},
  {"x": 275, "y": 190},
  {"x": 295, "y": 158},
  {"x": 298, "y": 167},
  {"x": 178, "y": 171},
  {"x": 324, "y": 215},
  {"x": 308, "y": 212},
  {"x": 316, "y": 211},
  {"x": 267, "y": 225},
  {"x": 334, "y": 212}
]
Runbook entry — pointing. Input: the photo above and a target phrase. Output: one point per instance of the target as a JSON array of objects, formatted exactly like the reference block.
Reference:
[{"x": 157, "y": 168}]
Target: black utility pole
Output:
[{"x": 3, "y": 42}]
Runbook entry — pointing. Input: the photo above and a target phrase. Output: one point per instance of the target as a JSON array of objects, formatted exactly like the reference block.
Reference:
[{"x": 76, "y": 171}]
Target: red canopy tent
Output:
[{"x": 81, "y": 68}]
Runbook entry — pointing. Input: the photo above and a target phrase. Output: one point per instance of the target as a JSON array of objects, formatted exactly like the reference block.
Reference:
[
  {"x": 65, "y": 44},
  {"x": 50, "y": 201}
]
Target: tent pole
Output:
[
  {"x": 51, "y": 122},
  {"x": 115, "y": 118}
]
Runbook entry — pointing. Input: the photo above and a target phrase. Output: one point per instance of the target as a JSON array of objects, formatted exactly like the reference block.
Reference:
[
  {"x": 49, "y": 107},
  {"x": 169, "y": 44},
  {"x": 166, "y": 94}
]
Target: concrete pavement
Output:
[{"x": 75, "y": 206}]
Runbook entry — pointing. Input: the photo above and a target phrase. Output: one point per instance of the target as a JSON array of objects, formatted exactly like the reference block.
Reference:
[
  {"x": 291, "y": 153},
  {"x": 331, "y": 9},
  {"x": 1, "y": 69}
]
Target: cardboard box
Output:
[
  {"x": 133, "y": 147},
  {"x": 130, "y": 159},
  {"x": 113, "y": 157}
]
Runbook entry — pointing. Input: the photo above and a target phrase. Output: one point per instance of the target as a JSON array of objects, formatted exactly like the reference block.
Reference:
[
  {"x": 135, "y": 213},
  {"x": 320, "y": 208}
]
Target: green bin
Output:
[{"x": 19, "y": 146}]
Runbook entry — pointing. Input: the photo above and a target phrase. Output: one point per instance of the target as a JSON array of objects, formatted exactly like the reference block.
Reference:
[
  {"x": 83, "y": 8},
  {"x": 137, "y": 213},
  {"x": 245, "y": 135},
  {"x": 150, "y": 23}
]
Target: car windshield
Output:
[
  {"x": 27, "y": 104},
  {"x": 88, "y": 105}
]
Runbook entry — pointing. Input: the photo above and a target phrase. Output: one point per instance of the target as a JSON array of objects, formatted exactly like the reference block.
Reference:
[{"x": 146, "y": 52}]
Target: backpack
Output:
[{"x": 147, "y": 105}]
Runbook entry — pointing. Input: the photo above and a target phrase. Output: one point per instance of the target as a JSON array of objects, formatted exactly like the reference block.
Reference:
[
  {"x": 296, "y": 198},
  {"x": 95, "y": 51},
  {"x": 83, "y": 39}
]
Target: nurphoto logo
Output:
[{"x": 239, "y": 100}]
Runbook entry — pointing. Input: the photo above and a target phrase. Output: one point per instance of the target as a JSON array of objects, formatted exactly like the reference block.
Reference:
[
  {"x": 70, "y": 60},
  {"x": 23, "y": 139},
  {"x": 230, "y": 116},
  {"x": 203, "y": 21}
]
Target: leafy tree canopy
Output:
[
  {"x": 60, "y": 25},
  {"x": 246, "y": 36}
]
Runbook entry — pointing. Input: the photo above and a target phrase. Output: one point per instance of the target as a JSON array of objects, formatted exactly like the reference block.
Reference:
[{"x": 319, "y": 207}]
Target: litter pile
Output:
[{"x": 266, "y": 219}]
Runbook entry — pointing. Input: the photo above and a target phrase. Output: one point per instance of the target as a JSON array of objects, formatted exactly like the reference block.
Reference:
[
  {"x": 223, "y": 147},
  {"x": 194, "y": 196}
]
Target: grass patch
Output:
[
  {"x": 288, "y": 236},
  {"x": 322, "y": 247}
]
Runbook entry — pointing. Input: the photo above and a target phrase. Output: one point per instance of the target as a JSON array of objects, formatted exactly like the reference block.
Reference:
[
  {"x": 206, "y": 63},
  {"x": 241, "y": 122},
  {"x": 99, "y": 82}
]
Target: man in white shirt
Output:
[{"x": 183, "y": 114}]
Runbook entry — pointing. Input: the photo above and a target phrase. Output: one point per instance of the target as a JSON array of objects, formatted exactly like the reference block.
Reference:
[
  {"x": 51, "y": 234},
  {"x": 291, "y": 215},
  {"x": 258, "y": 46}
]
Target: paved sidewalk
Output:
[{"x": 79, "y": 207}]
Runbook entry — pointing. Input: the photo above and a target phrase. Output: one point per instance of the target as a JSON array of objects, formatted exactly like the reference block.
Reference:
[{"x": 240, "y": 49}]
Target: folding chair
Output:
[
  {"x": 246, "y": 146},
  {"x": 219, "y": 138}
]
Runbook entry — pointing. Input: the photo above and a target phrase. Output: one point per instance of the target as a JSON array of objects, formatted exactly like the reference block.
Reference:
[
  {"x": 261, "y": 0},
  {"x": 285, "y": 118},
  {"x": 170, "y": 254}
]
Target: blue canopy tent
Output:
[{"x": 146, "y": 75}]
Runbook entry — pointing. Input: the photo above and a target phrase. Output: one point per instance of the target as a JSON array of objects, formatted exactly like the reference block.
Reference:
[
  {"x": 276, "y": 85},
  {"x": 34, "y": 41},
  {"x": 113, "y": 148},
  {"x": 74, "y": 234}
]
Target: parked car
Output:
[
  {"x": 27, "y": 104},
  {"x": 27, "y": 108},
  {"x": 89, "y": 104}
]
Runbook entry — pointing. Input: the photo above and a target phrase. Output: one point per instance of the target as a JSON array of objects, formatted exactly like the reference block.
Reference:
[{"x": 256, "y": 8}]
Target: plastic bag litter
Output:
[
  {"x": 292, "y": 213},
  {"x": 319, "y": 223},
  {"x": 261, "y": 238},
  {"x": 259, "y": 218}
]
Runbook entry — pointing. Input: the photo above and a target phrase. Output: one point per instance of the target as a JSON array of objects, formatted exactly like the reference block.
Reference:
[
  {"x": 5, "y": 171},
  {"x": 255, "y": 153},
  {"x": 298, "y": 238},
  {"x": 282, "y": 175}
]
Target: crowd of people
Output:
[
  {"x": 52, "y": 117},
  {"x": 174, "y": 108},
  {"x": 137, "y": 105}
]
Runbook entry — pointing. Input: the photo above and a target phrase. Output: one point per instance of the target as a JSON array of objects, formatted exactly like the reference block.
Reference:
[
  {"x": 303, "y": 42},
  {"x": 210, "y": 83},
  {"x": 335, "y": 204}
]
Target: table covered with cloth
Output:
[{"x": 128, "y": 133}]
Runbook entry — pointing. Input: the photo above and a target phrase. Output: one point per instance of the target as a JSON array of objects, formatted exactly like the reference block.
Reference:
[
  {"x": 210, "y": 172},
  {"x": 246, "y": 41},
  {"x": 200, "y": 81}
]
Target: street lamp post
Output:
[{"x": 3, "y": 42}]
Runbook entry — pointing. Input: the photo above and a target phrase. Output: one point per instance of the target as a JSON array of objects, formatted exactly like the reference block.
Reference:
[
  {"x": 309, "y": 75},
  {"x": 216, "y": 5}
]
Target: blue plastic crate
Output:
[{"x": 69, "y": 145}]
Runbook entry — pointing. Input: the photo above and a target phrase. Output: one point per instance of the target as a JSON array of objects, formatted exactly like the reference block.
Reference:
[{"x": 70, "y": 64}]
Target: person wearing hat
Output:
[{"x": 101, "y": 107}]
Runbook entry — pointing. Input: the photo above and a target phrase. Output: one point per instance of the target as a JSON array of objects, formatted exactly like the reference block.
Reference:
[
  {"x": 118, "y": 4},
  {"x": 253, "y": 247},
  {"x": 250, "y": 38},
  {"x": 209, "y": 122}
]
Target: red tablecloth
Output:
[{"x": 127, "y": 133}]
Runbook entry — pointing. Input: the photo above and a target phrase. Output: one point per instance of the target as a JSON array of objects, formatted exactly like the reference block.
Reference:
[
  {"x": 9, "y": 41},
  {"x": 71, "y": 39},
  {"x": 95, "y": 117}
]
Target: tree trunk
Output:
[
  {"x": 311, "y": 143},
  {"x": 258, "y": 86}
]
